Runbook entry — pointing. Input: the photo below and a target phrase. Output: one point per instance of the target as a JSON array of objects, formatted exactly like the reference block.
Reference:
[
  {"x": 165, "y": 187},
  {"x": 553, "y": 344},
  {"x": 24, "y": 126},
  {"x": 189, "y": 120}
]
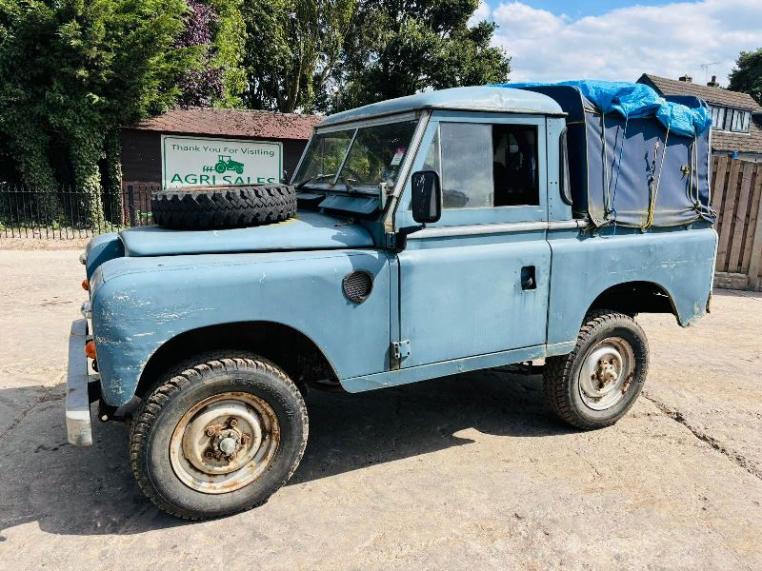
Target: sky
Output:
[{"x": 553, "y": 40}]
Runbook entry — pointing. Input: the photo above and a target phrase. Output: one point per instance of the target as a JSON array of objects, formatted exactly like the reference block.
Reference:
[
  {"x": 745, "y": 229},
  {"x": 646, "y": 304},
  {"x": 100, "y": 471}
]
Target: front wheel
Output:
[
  {"x": 218, "y": 438},
  {"x": 597, "y": 383}
]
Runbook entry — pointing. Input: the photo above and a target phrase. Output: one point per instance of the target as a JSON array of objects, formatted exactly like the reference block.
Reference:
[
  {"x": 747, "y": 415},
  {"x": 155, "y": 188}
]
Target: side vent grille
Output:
[{"x": 357, "y": 286}]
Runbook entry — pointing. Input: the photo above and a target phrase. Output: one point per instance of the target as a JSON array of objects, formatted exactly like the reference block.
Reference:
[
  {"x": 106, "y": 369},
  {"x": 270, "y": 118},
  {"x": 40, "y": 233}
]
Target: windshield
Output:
[{"x": 356, "y": 158}]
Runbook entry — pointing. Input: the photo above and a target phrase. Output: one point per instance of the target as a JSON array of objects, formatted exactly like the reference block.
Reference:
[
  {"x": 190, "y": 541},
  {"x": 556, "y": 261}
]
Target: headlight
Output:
[{"x": 83, "y": 258}]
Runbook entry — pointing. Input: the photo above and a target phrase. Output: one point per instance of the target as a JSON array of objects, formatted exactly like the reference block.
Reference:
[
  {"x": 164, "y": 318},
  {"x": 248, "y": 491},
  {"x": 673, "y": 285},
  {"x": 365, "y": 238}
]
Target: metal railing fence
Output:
[{"x": 68, "y": 213}]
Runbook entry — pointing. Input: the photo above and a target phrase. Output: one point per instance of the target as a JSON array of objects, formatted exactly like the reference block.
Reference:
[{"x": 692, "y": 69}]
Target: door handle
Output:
[{"x": 528, "y": 279}]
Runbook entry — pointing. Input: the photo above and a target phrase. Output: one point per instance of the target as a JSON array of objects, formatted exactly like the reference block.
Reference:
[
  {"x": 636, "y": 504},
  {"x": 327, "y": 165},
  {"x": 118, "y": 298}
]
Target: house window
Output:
[
  {"x": 737, "y": 121},
  {"x": 726, "y": 119},
  {"x": 718, "y": 117},
  {"x": 746, "y": 122}
]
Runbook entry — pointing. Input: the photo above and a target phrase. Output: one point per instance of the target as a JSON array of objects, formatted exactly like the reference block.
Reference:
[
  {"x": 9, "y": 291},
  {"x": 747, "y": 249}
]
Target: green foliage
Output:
[
  {"x": 72, "y": 72},
  {"x": 331, "y": 55},
  {"x": 402, "y": 47},
  {"x": 747, "y": 74},
  {"x": 292, "y": 48},
  {"x": 215, "y": 29},
  {"x": 227, "y": 49}
]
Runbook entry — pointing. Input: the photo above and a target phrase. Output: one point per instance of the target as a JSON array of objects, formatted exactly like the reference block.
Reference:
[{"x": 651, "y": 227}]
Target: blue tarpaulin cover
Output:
[{"x": 636, "y": 158}]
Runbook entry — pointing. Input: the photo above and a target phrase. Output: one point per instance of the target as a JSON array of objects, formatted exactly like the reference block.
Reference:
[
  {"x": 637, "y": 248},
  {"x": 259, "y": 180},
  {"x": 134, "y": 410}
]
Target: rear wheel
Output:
[
  {"x": 597, "y": 383},
  {"x": 218, "y": 438}
]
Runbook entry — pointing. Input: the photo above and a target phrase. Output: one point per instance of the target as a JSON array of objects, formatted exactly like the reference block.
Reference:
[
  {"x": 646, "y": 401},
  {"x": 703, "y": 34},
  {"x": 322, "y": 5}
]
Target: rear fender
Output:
[{"x": 680, "y": 262}]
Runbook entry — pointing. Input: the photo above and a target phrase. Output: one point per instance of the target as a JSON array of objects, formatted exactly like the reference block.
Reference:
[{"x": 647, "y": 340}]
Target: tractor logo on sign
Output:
[{"x": 224, "y": 164}]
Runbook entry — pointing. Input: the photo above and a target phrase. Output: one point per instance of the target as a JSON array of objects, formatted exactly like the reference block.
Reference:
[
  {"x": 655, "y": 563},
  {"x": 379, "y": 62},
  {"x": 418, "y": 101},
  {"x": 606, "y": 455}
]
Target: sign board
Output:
[{"x": 192, "y": 161}]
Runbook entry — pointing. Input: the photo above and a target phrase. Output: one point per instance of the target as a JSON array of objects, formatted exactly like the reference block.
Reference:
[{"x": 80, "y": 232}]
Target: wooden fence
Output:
[{"x": 737, "y": 198}]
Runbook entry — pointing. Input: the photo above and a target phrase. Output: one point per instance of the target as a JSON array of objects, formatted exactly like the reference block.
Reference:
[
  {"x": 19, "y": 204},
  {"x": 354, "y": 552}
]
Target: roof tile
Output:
[
  {"x": 724, "y": 141},
  {"x": 750, "y": 142},
  {"x": 712, "y": 95},
  {"x": 232, "y": 123}
]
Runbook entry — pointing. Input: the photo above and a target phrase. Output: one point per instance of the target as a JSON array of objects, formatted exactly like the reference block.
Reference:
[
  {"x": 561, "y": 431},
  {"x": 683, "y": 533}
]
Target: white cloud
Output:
[
  {"x": 667, "y": 40},
  {"x": 481, "y": 13}
]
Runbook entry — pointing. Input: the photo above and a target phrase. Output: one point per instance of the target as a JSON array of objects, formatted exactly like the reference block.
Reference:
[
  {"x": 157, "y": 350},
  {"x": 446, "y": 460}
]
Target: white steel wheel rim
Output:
[
  {"x": 225, "y": 442},
  {"x": 606, "y": 373}
]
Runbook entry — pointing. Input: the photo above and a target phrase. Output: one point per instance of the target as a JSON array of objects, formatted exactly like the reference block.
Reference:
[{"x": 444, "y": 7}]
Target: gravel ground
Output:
[{"x": 463, "y": 472}]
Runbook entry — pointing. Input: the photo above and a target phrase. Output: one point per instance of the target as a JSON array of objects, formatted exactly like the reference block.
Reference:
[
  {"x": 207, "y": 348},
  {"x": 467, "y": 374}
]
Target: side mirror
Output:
[{"x": 427, "y": 197}]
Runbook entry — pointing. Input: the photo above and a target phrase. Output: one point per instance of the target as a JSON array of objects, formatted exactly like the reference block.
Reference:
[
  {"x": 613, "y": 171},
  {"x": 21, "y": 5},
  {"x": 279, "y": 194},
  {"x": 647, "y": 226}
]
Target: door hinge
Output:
[{"x": 401, "y": 349}]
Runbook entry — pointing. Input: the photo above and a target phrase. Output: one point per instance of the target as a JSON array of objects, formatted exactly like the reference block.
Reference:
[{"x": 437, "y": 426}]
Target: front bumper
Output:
[{"x": 79, "y": 427}]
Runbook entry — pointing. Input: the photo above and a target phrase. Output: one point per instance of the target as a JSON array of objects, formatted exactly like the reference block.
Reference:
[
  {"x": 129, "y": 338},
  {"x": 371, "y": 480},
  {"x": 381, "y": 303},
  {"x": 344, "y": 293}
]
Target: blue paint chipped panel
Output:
[
  {"x": 101, "y": 249},
  {"x": 681, "y": 261},
  {"x": 458, "y": 301},
  {"x": 142, "y": 303},
  {"x": 309, "y": 231}
]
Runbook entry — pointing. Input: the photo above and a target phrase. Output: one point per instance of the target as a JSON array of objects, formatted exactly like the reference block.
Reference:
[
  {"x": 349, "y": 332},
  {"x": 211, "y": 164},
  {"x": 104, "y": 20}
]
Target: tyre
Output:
[
  {"x": 218, "y": 438},
  {"x": 223, "y": 207},
  {"x": 597, "y": 383}
]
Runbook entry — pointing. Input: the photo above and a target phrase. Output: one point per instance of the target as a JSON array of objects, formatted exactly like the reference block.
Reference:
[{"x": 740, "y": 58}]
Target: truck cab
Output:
[{"x": 435, "y": 234}]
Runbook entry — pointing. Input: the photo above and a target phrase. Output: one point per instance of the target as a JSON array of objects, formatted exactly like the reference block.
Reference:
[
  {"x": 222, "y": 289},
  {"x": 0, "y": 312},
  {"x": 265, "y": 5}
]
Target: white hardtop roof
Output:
[{"x": 481, "y": 98}]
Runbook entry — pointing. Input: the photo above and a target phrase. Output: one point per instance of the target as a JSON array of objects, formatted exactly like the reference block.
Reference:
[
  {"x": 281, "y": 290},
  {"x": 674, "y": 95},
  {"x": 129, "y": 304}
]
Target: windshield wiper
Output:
[
  {"x": 345, "y": 181},
  {"x": 317, "y": 178}
]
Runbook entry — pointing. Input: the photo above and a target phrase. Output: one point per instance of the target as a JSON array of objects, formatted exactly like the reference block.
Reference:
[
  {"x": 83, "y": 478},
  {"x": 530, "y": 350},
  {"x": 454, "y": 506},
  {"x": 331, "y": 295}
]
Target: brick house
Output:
[
  {"x": 142, "y": 143},
  {"x": 736, "y": 117}
]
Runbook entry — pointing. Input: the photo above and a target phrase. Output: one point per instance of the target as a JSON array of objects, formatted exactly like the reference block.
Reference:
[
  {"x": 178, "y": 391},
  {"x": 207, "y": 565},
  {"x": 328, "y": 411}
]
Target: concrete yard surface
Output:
[{"x": 466, "y": 472}]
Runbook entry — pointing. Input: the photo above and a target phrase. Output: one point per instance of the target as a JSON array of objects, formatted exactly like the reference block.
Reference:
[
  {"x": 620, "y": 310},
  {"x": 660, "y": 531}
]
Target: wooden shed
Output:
[{"x": 213, "y": 146}]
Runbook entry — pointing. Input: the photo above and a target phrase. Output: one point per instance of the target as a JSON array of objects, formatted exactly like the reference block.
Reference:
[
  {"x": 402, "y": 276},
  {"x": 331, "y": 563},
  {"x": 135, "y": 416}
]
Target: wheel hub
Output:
[
  {"x": 229, "y": 446},
  {"x": 224, "y": 442},
  {"x": 606, "y": 373},
  {"x": 608, "y": 369}
]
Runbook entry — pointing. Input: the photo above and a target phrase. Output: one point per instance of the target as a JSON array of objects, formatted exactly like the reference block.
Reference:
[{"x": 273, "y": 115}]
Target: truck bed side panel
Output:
[{"x": 681, "y": 261}]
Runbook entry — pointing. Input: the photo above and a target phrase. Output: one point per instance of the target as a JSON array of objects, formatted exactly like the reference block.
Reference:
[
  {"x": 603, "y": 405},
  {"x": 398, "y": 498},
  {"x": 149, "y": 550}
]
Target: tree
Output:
[
  {"x": 217, "y": 29},
  {"x": 292, "y": 48},
  {"x": 333, "y": 54},
  {"x": 397, "y": 48},
  {"x": 73, "y": 72},
  {"x": 747, "y": 74}
]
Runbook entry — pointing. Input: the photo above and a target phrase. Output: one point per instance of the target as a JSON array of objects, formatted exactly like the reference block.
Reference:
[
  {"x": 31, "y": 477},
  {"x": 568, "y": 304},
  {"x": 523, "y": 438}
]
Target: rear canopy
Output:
[{"x": 635, "y": 158}]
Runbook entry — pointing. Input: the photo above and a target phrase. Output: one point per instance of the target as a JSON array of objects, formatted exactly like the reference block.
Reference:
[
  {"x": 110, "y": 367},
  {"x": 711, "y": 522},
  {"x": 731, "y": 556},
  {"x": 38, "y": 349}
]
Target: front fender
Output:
[
  {"x": 141, "y": 303},
  {"x": 101, "y": 249}
]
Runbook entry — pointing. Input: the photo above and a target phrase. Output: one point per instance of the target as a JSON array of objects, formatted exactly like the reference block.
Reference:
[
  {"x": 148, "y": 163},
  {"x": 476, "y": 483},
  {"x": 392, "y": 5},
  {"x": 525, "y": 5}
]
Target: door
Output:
[{"x": 476, "y": 282}]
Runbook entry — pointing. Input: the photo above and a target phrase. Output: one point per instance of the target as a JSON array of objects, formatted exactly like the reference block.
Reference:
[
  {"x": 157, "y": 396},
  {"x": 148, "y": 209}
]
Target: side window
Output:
[
  {"x": 466, "y": 154},
  {"x": 482, "y": 166},
  {"x": 563, "y": 168},
  {"x": 431, "y": 163},
  {"x": 515, "y": 165}
]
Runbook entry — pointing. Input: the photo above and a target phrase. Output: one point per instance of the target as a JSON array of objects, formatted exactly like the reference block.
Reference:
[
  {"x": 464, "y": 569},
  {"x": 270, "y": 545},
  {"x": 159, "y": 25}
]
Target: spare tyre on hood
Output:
[{"x": 200, "y": 208}]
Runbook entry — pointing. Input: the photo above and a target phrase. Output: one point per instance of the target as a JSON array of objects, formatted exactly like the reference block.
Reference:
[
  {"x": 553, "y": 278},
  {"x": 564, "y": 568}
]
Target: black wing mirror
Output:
[
  {"x": 427, "y": 204},
  {"x": 427, "y": 197}
]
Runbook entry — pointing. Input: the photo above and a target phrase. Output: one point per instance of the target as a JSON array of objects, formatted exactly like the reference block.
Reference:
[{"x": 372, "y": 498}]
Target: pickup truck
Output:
[{"x": 443, "y": 232}]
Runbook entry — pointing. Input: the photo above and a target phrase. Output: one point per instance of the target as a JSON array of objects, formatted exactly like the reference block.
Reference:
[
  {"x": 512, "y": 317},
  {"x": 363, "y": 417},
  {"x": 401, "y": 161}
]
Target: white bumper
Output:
[{"x": 79, "y": 428}]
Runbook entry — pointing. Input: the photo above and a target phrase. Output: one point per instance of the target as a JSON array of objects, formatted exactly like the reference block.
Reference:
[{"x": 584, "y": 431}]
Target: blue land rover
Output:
[{"x": 443, "y": 232}]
